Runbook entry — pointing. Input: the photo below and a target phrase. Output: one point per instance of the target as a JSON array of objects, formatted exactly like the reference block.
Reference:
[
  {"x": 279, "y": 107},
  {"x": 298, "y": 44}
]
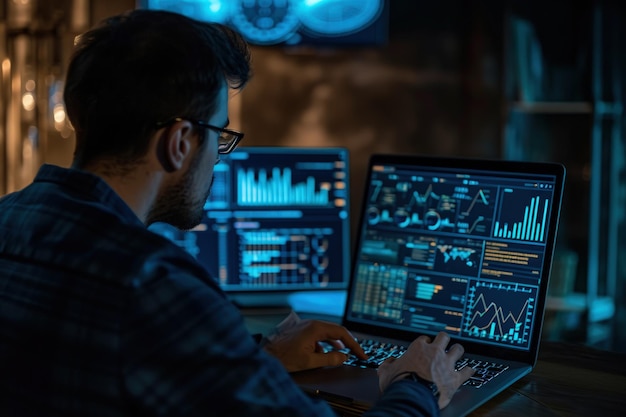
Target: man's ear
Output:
[{"x": 174, "y": 145}]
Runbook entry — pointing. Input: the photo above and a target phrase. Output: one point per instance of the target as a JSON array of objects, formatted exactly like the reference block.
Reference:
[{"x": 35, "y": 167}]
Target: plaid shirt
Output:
[{"x": 101, "y": 317}]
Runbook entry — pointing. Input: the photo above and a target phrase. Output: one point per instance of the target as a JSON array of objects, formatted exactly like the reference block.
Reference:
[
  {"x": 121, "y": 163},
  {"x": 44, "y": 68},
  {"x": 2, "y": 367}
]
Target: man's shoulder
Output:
[{"x": 163, "y": 259}]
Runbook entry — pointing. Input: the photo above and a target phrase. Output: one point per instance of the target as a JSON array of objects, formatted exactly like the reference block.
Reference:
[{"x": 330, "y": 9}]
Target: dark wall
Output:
[{"x": 434, "y": 88}]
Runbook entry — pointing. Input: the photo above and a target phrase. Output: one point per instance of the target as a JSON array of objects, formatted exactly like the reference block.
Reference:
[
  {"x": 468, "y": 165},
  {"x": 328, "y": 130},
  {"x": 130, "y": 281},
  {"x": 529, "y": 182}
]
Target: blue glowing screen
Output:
[
  {"x": 458, "y": 246},
  {"x": 290, "y": 22},
  {"x": 277, "y": 219}
]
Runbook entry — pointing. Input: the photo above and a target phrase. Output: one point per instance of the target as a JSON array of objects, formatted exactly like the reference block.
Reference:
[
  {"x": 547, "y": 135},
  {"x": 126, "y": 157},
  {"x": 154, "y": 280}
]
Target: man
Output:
[{"x": 99, "y": 316}]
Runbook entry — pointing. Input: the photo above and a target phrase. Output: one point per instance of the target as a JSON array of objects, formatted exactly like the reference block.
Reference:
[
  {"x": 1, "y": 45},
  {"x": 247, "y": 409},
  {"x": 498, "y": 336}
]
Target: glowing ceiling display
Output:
[
  {"x": 266, "y": 21},
  {"x": 208, "y": 10},
  {"x": 339, "y": 17},
  {"x": 270, "y": 22}
]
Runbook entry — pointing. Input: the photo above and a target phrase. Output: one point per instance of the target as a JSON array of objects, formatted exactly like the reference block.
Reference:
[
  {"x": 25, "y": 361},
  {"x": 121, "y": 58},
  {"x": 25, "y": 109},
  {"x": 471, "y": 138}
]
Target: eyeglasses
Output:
[{"x": 227, "y": 140}]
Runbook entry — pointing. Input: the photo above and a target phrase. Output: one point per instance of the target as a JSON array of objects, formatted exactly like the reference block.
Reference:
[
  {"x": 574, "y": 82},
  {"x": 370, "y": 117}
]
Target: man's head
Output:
[{"x": 145, "y": 73}]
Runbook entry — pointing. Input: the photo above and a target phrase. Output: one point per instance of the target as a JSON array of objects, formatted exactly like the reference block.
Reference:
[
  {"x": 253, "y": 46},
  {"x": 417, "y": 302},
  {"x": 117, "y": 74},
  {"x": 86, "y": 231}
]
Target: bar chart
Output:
[
  {"x": 523, "y": 216},
  {"x": 279, "y": 188},
  {"x": 426, "y": 290}
]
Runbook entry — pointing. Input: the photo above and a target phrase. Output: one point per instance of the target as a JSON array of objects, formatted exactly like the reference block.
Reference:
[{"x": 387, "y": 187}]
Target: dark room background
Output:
[{"x": 492, "y": 79}]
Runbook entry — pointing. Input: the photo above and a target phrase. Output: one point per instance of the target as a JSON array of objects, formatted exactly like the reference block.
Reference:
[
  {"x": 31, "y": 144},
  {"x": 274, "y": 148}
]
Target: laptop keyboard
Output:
[{"x": 378, "y": 352}]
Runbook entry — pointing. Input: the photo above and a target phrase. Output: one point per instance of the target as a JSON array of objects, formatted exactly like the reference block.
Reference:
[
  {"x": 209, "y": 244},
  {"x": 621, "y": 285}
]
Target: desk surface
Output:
[{"x": 569, "y": 380}]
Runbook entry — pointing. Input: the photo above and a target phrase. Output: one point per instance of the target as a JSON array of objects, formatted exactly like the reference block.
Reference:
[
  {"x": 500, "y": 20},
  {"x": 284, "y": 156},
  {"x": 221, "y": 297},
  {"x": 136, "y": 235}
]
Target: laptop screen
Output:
[
  {"x": 454, "y": 245},
  {"x": 276, "y": 222}
]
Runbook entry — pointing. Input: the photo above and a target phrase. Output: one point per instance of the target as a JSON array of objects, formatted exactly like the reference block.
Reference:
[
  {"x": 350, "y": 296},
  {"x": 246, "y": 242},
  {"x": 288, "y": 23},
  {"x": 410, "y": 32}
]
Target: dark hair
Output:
[{"x": 144, "y": 67}]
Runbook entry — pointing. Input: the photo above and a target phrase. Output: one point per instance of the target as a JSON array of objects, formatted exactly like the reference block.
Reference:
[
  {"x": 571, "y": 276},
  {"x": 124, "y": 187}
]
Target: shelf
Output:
[
  {"x": 582, "y": 128},
  {"x": 602, "y": 308},
  {"x": 553, "y": 107}
]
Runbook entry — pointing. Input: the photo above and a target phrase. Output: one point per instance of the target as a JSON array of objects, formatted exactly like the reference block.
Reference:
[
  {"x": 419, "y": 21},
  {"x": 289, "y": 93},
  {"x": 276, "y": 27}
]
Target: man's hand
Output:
[
  {"x": 298, "y": 346},
  {"x": 430, "y": 360}
]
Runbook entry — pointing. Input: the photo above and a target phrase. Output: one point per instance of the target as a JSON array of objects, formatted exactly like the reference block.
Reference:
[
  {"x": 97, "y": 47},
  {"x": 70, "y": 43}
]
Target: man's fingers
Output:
[
  {"x": 456, "y": 351},
  {"x": 337, "y": 344},
  {"x": 466, "y": 373},
  {"x": 443, "y": 401},
  {"x": 442, "y": 340},
  {"x": 336, "y": 333}
]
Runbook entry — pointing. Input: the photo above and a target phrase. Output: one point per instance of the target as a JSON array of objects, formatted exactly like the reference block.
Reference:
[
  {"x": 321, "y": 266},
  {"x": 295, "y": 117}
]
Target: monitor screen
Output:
[
  {"x": 276, "y": 222},
  {"x": 291, "y": 22}
]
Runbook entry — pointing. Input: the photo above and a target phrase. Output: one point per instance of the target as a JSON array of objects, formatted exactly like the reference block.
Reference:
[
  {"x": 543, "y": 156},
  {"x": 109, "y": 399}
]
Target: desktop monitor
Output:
[{"x": 276, "y": 225}]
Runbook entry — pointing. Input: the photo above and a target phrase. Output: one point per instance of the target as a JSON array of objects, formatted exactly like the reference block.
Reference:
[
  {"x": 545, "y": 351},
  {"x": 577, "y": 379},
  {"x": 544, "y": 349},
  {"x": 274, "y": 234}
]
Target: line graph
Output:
[
  {"x": 476, "y": 209},
  {"x": 433, "y": 205},
  {"x": 500, "y": 312},
  {"x": 424, "y": 198},
  {"x": 480, "y": 195}
]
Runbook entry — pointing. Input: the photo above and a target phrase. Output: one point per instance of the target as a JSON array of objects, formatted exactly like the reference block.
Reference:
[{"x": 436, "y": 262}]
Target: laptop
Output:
[{"x": 448, "y": 244}]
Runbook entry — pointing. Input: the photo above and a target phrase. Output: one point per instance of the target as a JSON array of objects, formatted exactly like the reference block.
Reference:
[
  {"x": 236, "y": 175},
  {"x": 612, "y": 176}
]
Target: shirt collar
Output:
[{"x": 87, "y": 186}]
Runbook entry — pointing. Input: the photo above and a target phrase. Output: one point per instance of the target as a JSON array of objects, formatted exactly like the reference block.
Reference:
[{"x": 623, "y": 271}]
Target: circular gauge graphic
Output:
[
  {"x": 320, "y": 263},
  {"x": 207, "y": 10},
  {"x": 432, "y": 220},
  {"x": 339, "y": 17},
  {"x": 373, "y": 215},
  {"x": 402, "y": 218},
  {"x": 319, "y": 244},
  {"x": 266, "y": 22}
]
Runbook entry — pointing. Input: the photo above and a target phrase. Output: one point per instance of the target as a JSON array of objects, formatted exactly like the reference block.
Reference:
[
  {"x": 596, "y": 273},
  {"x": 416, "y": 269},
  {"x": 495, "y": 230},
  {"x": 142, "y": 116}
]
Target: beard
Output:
[{"x": 178, "y": 206}]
